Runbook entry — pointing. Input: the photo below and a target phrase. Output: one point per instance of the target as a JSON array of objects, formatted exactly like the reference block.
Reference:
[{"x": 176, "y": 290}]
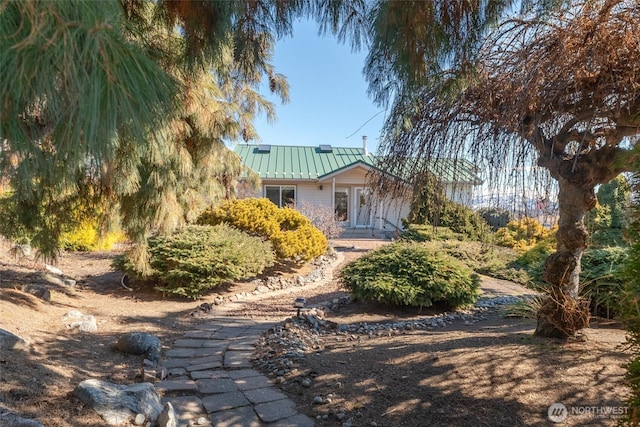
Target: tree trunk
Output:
[{"x": 563, "y": 312}]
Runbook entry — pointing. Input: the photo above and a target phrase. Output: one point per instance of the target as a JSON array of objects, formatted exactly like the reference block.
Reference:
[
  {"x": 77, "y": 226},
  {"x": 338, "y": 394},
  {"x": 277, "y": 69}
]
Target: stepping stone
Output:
[
  {"x": 243, "y": 373},
  {"x": 245, "y": 417},
  {"x": 224, "y": 401},
  {"x": 208, "y": 374},
  {"x": 250, "y": 383},
  {"x": 274, "y": 411},
  {"x": 214, "y": 364},
  {"x": 174, "y": 386},
  {"x": 186, "y": 407},
  {"x": 218, "y": 385},
  {"x": 299, "y": 420},
  {"x": 237, "y": 359},
  {"x": 189, "y": 342},
  {"x": 262, "y": 395},
  {"x": 199, "y": 334}
]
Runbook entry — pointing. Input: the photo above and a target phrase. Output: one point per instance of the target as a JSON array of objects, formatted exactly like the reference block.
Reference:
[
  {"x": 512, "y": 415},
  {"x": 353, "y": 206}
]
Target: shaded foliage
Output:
[
  {"x": 430, "y": 205},
  {"x": 496, "y": 217},
  {"x": 630, "y": 312}
]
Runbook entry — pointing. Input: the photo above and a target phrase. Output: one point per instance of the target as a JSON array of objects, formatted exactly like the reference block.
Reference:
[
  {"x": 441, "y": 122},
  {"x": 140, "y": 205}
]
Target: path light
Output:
[{"x": 299, "y": 303}]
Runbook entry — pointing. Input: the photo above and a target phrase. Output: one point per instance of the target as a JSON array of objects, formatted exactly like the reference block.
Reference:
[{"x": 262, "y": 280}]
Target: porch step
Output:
[{"x": 365, "y": 233}]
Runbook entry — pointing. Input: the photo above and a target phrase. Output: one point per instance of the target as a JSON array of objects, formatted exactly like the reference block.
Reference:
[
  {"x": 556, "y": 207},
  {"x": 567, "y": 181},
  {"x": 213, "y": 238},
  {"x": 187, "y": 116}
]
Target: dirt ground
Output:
[{"x": 492, "y": 372}]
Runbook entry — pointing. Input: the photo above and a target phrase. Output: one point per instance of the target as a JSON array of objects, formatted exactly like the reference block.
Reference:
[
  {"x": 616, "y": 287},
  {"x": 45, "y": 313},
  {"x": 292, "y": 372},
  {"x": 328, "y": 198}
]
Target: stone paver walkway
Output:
[{"x": 211, "y": 381}]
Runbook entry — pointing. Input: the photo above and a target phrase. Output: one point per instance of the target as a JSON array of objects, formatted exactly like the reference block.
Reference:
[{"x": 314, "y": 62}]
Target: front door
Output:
[{"x": 363, "y": 207}]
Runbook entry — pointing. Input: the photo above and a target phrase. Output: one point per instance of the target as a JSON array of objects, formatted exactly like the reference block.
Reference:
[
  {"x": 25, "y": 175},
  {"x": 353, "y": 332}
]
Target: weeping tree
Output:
[{"x": 560, "y": 93}]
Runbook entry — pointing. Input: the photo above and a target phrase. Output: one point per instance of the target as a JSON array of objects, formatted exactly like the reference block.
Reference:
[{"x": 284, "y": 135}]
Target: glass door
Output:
[
  {"x": 363, "y": 207},
  {"x": 341, "y": 211}
]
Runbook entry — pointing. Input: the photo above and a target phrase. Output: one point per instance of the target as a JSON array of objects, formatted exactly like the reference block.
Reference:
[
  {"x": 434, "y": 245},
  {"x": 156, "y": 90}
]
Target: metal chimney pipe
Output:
[{"x": 365, "y": 151}]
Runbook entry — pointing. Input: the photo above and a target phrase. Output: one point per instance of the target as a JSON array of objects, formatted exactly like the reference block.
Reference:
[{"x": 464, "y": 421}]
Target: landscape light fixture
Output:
[{"x": 299, "y": 303}]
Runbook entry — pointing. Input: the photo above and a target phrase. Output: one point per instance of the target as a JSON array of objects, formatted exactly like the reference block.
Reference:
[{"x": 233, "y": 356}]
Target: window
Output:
[
  {"x": 342, "y": 205},
  {"x": 281, "y": 195}
]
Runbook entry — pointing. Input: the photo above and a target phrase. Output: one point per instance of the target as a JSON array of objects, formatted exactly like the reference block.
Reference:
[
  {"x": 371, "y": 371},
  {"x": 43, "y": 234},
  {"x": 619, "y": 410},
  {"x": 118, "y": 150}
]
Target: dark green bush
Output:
[
  {"x": 197, "y": 258},
  {"x": 496, "y": 217},
  {"x": 600, "y": 279},
  {"x": 411, "y": 275},
  {"x": 431, "y": 206},
  {"x": 600, "y": 283},
  {"x": 483, "y": 258},
  {"x": 629, "y": 313},
  {"x": 427, "y": 233}
]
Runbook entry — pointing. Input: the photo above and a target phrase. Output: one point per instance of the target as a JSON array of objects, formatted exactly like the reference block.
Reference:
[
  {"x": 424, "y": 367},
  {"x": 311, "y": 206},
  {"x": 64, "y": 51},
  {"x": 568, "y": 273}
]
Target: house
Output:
[{"x": 336, "y": 178}]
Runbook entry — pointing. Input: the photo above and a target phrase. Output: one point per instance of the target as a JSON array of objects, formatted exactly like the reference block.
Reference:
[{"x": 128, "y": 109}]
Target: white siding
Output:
[
  {"x": 459, "y": 193},
  {"x": 389, "y": 213},
  {"x": 312, "y": 194}
]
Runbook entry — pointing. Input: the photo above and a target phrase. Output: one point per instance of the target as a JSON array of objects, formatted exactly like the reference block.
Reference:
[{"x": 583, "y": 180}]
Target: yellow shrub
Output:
[
  {"x": 85, "y": 237},
  {"x": 291, "y": 233},
  {"x": 522, "y": 234}
]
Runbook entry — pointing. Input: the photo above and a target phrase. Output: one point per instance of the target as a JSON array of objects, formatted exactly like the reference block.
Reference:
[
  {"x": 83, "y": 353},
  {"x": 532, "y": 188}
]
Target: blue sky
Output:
[{"x": 328, "y": 94}]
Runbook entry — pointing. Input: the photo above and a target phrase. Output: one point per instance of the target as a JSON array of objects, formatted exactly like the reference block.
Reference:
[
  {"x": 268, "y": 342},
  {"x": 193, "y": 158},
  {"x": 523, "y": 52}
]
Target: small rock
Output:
[
  {"x": 53, "y": 270},
  {"x": 340, "y": 416},
  {"x": 38, "y": 291},
  {"x": 306, "y": 382},
  {"x": 149, "y": 375},
  {"x": 140, "y": 343},
  {"x": 139, "y": 419},
  {"x": 84, "y": 323},
  {"x": 167, "y": 417},
  {"x": 201, "y": 421},
  {"x": 318, "y": 400}
]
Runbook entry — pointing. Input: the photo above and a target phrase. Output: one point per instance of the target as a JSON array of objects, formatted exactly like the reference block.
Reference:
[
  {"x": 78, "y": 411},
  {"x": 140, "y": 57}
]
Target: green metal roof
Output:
[
  {"x": 313, "y": 163},
  {"x": 295, "y": 162}
]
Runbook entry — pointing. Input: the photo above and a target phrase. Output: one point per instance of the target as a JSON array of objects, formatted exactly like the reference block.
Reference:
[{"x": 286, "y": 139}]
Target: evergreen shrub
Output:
[
  {"x": 199, "y": 257},
  {"x": 601, "y": 283},
  {"x": 427, "y": 233},
  {"x": 496, "y": 217},
  {"x": 629, "y": 313},
  {"x": 292, "y": 235},
  {"x": 410, "y": 275}
]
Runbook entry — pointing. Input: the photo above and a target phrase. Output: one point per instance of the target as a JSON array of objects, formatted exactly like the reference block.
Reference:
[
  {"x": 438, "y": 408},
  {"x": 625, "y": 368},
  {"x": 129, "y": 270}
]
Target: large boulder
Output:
[
  {"x": 9, "y": 341},
  {"x": 119, "y": 404},
  {"x": 140, "y": 343}
]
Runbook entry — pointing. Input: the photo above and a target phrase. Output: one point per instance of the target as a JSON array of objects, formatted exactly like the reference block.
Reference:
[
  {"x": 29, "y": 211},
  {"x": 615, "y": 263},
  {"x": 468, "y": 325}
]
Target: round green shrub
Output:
[
  {"x": 411, "y": 275},
  {"x": 496, "y": 217},
  {"x": 198, "y": 258},
  {"x": 290, "y": 232}
]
